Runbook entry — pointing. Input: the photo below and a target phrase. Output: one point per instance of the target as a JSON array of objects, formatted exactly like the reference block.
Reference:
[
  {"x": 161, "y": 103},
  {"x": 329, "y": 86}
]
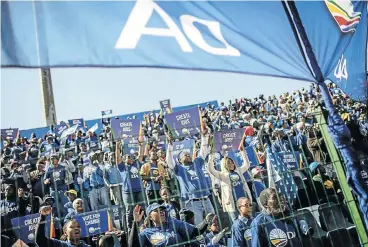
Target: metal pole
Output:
[
  {"x": 338, "y": 166},
  {"x": 47, "y": 95}
]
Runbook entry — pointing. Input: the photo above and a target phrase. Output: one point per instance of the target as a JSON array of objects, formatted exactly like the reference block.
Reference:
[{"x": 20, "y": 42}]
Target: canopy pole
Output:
[{"x": 47, "y": 95}]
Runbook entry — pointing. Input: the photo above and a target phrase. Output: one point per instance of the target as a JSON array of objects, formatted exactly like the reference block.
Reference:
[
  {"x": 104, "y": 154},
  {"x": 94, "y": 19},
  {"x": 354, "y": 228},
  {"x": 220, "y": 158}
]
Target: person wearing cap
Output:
[
  {"x": 164, "y": 231},
  {"x": 10, "y": 208},
  {"x": 273, "y": 226},
  {"x": 55, "y": 178},
  {"x": 233, "y": 183},
  {"x": 71, "y": 195},
  {"x": 132, "y": 190},
  {"x": 240, "y": 230},
  {"x": 193, "y": 187}
]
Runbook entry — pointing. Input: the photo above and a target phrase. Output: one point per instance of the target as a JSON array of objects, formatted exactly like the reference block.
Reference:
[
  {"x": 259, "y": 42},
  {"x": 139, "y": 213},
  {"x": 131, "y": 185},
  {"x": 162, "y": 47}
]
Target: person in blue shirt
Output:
[
  {"x": 172, "y": 207},
  {"x": 98, "y": 194},
  {"x": 71, "y": 195},
  {"x": 82, "y": 187},
  {"x": 112, "y": 178},
  {"x": 240, "y": 230},
  {"x": 192, "y": 182},
  {"x": 132, "y": 189},
  {"x": 55, "y": 178},
  {"x": 72, "y": 232},
  {"x": 272, "y": 226},
  {"x": 162, "y": 231}
]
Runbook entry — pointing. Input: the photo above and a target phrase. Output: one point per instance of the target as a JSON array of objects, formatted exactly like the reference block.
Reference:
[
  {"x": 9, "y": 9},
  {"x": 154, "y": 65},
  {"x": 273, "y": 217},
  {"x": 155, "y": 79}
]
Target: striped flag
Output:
[
  {"x": 93, "y": 128},
  {"x": 279, "y": 177},
  {"x": 69, "y": 131}
]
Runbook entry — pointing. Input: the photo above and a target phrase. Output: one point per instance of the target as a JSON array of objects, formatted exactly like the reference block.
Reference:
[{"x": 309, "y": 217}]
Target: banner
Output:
[
  {"x": 280, "y": 176},
  {"x": 94, "y": 223},
  {"x": 126, "y": 129},
  {"x": 184, "y": 123},
  {"x": 60, "y": 128},
  {"x": 93, "y": 128},
  {"x": 291, "y": 160},
  {"x": 228, "y": 139},
  {"x": 79, "y": 121},
  {"x": 26, "y": 227},
  {"x": 10, "y": 134},
  {"x": 183, "y": 146},
  {"x": 253, "y": 157},
  {"x": 69, "y": 131},
  {"x": 105, "y": 113},
  {"x": 165, "y": 106},
  {"x": 167, "y": 34}
]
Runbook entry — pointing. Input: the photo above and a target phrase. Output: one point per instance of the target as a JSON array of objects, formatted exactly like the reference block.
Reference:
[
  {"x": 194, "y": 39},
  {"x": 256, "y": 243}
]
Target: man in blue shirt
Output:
[
  {"x": 55, "y": 178},
  {"x": 241, "y": 232},
  {"x": 132, "y": 184},
  {"x": 192, "y": 181},
  {"x": 98, "y": 194},
  {"x": 112, "y": 178},
  {"x": 272, "y": 226}
]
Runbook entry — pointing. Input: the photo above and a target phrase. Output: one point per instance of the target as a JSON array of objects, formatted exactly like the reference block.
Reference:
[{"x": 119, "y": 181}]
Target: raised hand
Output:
[
  {"x": 45, "y": 210},
  {"x": 137, "y": 214}
]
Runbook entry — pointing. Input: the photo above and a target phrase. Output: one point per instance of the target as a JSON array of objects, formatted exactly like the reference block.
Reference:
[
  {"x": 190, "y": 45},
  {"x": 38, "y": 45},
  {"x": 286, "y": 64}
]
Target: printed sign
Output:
[
  {"x": 79, "y": 121},
  {"x": 26, "y": 227},
  {"x": 94, "y": 223},
  {"x": 105, "y": 113},
  {"x": 252, "y": 156},
  {"x": 10, "y": 134},
  {"x": 183, "y": 146},
  {"x": 60, "y": 128},
  {"x": 184, "y": 123},
  {"x": 290, "y": 160},
  {"x": 165, "y": 106},
  {"x": 228, "y": 140},
  {"x": 126, "y": 128}
]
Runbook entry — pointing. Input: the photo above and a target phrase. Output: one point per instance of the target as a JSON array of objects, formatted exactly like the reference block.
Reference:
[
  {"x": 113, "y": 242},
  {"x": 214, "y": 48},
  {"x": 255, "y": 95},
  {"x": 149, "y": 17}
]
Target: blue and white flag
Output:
[
  {"x": 93, "y": 128},
  {"x": 69, "y": 131},
  {"x": 280, "y": 177},
  {"x": 105, "y": 113},
  {"x": 25, "y": 227}
]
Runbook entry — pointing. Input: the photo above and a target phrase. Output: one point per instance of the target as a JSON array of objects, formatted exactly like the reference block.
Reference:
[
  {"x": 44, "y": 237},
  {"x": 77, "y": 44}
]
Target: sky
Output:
[{"x": 85, "y": 92}]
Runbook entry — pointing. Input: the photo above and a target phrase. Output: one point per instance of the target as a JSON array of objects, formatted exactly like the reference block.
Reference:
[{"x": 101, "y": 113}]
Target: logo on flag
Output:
[
  {"x": 108, "y": 112},
  {"x": 344, "y": 14}
]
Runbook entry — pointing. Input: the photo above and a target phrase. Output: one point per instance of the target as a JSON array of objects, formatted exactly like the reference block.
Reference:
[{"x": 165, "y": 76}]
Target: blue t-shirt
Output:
[
  {"x": 59, "y": 243},
  {"x": 241, "y": 232},
  {"x": 267, "y": 231},
  {"x": 258, "y": 187},
  {"x": 130, "y": 176},
  {"x": 237, "y": 186},
  {"x": 173, "y": 232},
  {"x": 171, "y": 210},
  {"x": 192, "y": 181},
  {"x": 153, "y": 185},
  {"x": 57, "y": 178}
]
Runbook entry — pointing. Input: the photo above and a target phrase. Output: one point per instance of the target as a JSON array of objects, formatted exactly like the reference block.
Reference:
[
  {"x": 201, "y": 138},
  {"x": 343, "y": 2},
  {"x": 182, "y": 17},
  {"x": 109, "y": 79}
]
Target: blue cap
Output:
[
  {"x": 313, "y": 166},
  {"x": 152, "y": 207}
]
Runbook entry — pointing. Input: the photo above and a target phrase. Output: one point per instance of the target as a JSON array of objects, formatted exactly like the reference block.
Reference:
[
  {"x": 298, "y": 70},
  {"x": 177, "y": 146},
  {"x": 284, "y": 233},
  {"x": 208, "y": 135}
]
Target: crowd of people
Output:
[{"x": 192, "y": 200}]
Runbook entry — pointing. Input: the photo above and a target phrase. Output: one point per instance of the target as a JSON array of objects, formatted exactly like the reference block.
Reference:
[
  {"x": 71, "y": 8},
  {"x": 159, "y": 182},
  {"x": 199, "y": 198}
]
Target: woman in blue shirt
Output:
[{"x": 71, "y": 228}]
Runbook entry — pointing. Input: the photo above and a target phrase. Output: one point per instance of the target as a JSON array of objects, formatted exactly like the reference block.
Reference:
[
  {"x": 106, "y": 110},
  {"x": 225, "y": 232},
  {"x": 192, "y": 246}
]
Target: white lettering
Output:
[
  {"x": 197, "y": 38},
  {"x": 136, "y": 26},
  {"x": 341, "y": 70}
]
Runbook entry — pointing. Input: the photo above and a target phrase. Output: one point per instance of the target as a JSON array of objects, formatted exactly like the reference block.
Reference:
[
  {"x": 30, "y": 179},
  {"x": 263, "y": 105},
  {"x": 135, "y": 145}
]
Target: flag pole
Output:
[{"x": 47, "y": 95}]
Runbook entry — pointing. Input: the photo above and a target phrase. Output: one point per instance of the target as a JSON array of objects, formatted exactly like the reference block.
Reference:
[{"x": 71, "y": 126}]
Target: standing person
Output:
[
  {"x": 241, "y": 232},
  {"x": 162, "y": 231},
  {"x": 98, "y": 194},
  {"x": 153, "y": 174},
  {"x": 172, "y": 207},
  {"x": 233, "y": 184},
  {"x": 71, "y": 230},
  {"x": 113, "y": 179},
  {"x": 194, "y": 190},
  {"x": 55, "y": 178},
  {"x": 132, "y": 183},
  {"x": 271, "y": 227}
]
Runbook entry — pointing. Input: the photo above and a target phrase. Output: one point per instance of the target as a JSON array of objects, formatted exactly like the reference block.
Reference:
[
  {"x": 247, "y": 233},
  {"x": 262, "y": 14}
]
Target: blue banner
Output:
[
  {"x": 60, "y": 128},
  {"x": 166, "y": 34},
  {"x": 184, "y": 123},
  {"x": 94, "y": 223},
  {"x": 291, "y": 160},
  {"x": 338, "y": 38},
  {"x": 228, "y": 139},
  {"x": 79, "y": 121},
  {"x": 10, "y": 134},
  {"x": 183, "y": 146},
  {"x": 126, "y": 129},
  {"x": 165, "y": 106},
  {"x": 252, "y": 156},
  {"x": 26, "y": 227}
]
